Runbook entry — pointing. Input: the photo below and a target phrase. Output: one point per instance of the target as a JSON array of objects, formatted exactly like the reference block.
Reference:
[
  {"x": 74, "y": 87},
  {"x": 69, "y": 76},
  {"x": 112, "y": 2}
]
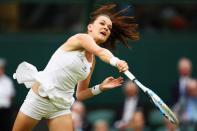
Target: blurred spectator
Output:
[
  {"x": 172, "y": 19},
  {"x": 179, "y": 88},
  {"x": 168, "y": 126},
  {"x": 191, "y": 107},
  {"x": 130, "y": 105},
  {"x": 137, "y": 122},
  {"x": 79, "y": 108},
  {"x": 187, "y": 109},
  {"x": 79, "y": 118},
  {"x": 7, "y": 92},
  {"x": 101, "y": 125},
  {"x": 77, "y": 121},
  {"x": 168, "y": 12},
  {"x": 178, "y": 23}
]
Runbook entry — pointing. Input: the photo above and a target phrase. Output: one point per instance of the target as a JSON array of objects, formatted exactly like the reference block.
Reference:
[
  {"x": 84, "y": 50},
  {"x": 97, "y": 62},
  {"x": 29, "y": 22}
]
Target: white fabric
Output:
[
  {"x": 6, "y": 91},
  {"x": 38, "y": 107},
  {"x": 129, "y": 108},
  {"x": 59, "y": 78},
  {"x": 25, "y": 73}
]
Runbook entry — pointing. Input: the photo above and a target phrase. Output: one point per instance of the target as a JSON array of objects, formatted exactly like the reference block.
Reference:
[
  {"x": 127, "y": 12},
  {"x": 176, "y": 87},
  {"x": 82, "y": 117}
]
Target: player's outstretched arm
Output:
[{"x": 105, "y": 55}]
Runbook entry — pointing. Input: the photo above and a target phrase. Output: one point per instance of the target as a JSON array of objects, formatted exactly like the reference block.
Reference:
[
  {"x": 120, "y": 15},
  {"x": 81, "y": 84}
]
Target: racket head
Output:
[{"x": 166, "y": 111}]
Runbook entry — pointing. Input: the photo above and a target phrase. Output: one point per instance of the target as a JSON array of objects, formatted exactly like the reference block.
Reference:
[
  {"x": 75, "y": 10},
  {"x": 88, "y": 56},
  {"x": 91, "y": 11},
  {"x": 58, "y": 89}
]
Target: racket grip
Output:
[{"x": 129, "y": 75}]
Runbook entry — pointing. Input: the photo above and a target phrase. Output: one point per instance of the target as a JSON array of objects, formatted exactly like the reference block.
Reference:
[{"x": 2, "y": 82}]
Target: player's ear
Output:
[{"x": 89, "y": 27}]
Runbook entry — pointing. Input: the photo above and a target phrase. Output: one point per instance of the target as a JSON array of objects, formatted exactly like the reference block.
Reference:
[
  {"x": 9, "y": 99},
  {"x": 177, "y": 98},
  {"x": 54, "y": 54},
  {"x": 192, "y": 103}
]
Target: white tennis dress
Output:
[{"x": 59, "y": 78}]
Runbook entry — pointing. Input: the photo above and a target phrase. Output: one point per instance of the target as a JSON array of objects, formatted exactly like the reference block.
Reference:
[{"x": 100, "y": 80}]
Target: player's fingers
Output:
[
  {"x": 123, "y": 69},
  {"x": 123, "y": 66},
  {"x": 119, "y": 80}
]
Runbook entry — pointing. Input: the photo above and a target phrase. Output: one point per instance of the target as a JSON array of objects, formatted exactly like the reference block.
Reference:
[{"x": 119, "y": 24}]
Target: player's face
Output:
[
  {"x": 100, "y": 29},
  {"x": 185, "y": 68},
  {"x": 1, "y": 71}
]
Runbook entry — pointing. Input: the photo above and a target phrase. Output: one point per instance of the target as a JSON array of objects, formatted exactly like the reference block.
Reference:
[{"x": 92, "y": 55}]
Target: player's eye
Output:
[
  {"x": 102, "y": 23},
  {"x": 109, "y": 27}
]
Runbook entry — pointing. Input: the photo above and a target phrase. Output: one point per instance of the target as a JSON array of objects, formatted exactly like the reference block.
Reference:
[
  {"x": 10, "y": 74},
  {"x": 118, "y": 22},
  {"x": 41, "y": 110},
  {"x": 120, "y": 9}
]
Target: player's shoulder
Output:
[
  {"x": 76, "y": 38},
  {"x": 76, "y": 41},
  {"x": 82, "y": 36}
]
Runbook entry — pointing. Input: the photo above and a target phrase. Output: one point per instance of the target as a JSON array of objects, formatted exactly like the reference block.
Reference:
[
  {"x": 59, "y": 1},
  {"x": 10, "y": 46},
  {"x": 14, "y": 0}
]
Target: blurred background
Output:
[{"x": 164, "y": 59}]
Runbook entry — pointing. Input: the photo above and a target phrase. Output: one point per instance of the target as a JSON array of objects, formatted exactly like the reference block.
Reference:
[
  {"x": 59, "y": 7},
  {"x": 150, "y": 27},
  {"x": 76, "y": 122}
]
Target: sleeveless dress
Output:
[{"x": 59, "y": 78}]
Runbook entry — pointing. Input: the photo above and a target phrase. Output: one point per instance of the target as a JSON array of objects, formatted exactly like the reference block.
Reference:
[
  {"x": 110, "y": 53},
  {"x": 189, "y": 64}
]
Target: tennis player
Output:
[{"x": 51, "y": 94}]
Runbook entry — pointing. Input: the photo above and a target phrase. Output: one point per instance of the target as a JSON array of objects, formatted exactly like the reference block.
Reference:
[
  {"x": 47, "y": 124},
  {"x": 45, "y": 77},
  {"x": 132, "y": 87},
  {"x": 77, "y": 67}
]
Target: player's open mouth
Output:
[{"x": 103, "y": 33}]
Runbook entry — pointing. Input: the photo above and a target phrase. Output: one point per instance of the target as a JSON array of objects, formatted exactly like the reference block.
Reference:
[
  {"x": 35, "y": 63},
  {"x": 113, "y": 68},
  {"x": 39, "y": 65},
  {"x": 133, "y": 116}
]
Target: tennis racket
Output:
[{"x": 166, "y": 111}]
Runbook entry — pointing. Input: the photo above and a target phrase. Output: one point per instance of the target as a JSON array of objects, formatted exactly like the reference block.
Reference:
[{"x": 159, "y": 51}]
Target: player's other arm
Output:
[{"x": 84, "y": 92}]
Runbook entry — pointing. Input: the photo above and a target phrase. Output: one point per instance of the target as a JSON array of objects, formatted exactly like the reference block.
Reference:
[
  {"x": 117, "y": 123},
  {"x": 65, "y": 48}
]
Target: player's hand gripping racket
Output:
[{"x": 166, "y": 111}]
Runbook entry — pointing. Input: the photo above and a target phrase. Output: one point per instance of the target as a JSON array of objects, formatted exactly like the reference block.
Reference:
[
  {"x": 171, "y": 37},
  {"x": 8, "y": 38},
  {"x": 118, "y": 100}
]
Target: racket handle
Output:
[{"x": 129, "y": 75}]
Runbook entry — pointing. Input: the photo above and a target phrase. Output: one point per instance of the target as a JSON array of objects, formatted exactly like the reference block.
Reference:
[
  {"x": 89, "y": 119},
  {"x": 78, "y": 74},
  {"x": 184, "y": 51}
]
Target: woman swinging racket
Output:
[{"x": 51, "y": 94}]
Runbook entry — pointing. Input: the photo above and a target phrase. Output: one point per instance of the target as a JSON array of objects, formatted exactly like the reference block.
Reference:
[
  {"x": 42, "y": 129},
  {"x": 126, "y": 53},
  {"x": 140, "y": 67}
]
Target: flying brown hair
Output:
[{"x": 123, "y": 27}]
